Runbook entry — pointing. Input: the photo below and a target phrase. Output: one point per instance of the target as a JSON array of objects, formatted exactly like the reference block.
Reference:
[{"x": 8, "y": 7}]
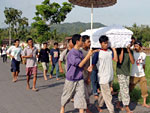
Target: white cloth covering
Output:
[{"x": 119, "y": 37}]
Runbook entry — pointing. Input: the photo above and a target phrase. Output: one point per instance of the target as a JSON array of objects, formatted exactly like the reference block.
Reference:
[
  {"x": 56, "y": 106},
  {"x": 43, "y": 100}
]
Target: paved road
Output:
[{"x": 14, "y": 98}]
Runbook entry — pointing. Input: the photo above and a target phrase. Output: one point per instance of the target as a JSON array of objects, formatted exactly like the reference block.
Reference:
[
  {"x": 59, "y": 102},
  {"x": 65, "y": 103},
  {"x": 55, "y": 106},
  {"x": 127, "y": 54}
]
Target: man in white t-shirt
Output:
[
  {"x": 15, "y": 53},
  {"x": 137, "y": 73},
  {"x": 103, "y": 61}
]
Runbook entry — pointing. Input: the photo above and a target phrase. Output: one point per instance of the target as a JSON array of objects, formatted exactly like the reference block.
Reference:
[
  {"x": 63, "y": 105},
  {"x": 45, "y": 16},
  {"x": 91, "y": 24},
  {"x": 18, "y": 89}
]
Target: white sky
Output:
[{"x": 125, "y": 12}]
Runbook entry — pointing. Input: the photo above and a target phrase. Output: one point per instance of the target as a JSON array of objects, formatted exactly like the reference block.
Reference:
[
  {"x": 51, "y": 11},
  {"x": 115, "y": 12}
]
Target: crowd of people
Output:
[{"x": 87, "y": 71}]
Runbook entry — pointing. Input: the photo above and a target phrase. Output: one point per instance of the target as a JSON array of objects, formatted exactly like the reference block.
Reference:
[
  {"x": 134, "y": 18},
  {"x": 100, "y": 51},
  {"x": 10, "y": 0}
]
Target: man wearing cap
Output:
[{"x": 137, "y": 73}]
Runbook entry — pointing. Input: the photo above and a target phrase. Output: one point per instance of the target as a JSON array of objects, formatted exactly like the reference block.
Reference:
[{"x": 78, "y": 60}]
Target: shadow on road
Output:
[{"x": 49, "y": 86}]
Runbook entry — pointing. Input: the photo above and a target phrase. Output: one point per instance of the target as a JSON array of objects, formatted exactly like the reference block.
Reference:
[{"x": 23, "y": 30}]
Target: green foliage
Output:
[
  {"x": 53, "y": 12},
  {"x": 12, "y": 15},
  {"x": 141, "y": 33},
  {"x": 47, "y": 14},
  {"x": 17, "y": 24}
]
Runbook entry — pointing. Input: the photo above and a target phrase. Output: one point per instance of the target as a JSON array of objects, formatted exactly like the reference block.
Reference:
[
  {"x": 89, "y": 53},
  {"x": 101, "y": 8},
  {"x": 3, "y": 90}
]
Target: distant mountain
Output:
[{"x": 76, "y": 27}]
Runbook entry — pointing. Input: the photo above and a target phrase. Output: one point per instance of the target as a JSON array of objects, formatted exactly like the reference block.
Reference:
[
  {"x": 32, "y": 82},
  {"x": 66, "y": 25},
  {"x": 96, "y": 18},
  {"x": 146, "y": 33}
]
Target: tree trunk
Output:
[{"x": 9, "y": 35}]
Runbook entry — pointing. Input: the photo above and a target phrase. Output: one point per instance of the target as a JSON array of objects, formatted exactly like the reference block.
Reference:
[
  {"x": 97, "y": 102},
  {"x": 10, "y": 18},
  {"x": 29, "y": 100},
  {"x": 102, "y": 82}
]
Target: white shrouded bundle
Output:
[{"x": 119, "y": 37}]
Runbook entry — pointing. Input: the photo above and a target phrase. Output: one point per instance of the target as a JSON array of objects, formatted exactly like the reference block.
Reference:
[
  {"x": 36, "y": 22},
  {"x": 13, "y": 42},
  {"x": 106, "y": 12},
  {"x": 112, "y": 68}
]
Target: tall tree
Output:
[
  {"x": 12, "y": 15},
  {"x": 47, "y": 14},
  {"x": 15, "y": 22}
]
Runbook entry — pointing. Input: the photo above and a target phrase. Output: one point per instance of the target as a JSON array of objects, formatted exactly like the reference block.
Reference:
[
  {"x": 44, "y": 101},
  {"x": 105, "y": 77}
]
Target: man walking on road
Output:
[
  {"x": 3, "y": 53},
  {"x": 44, "y": 58},
  {"x": 15, "y": 53},
  {"x": 54, "y": 60},
  {"x": 138, "y": 74},
  {"x": 31, "y": 54}
]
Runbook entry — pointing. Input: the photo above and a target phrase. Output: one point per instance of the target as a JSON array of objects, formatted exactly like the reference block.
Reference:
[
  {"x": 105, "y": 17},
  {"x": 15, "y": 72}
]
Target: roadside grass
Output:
[{"x": 54, "y": 73}]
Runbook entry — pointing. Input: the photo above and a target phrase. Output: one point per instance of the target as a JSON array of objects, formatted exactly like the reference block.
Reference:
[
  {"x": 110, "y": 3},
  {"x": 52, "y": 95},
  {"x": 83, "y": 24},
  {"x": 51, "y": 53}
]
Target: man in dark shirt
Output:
[
  {"x": 125, "y": 57},
  {"x": 44, "y": 58},
  {"x": 54, "y": 60}
]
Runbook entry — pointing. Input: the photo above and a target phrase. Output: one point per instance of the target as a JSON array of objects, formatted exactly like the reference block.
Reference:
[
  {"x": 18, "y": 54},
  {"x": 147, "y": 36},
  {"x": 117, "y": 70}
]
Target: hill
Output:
[{"x": 76, "y": 27}]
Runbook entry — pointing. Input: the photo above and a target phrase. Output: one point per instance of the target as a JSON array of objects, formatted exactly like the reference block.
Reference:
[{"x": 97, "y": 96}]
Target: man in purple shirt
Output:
[{"x": 74, "y": 84}]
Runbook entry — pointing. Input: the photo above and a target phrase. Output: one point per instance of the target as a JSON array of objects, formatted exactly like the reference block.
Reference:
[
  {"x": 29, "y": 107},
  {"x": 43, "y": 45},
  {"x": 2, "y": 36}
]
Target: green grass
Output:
[{"x": 41, "y": 68}]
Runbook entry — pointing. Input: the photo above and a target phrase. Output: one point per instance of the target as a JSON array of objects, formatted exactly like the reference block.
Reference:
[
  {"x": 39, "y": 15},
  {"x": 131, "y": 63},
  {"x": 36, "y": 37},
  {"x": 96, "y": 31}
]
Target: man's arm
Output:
[
  {"x": 51, "y": 59},
  {"x": 61, "y": 59},
  {"x": 39, "y": 58},
  {"x": 121, "y": 55},
  {"x": 87, "y": 57},
  {"x": 94, "y": 62},
  {"x": 115, "y": 55},
  {"x": 8, "y": 52},
  {"x": 130, "y": 55},
  {"x": 60, "y": 66},
  {"x": 37, "y": 55}
]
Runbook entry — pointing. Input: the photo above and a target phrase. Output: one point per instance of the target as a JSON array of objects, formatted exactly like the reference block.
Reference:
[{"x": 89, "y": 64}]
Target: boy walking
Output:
[
  {"x": 137, "y": 73},
  {"x": 31, "y": 55},
  {"x": 54, "y": 60},
  {"x": 103, "y": 61},
  {"x": 74, "y": 84},
  {"x": 44, "y": 58},
  {"x": 123, "y": 74},
  {"x": 15, "y": 53}
]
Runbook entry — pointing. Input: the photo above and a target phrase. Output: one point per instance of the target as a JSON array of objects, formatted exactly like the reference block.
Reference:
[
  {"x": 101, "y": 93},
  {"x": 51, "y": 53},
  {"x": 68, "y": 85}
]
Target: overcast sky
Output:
[{"x": 125, "y": 12}]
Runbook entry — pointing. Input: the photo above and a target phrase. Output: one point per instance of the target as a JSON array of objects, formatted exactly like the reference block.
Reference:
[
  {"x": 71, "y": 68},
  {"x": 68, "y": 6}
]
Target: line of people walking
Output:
[{"x": 83, "y": 77}]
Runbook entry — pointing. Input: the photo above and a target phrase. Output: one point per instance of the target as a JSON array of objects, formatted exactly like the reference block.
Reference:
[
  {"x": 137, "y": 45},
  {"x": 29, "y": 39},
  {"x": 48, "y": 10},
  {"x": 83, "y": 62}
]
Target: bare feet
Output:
[
  {"x": 57, "y": 78},
  {"x": 34, "y": 89},
  {"x": 45, "y": 78},
  {"x": 28, "y": 87},
  {"x": 50, "y": 76},
  {"x": 14, "y": 80},
  {"x": 146, "y": 105},
  {"x": 128, "y": 109}
]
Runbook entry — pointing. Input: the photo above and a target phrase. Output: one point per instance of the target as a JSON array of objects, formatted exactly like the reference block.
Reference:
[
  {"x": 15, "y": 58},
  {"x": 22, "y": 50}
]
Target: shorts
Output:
[
  {"x": 31, "y": 71},
  {"x": 15, "y": 65},
  {"x": 76, "y": 90},
  {"x": 45, "y": 66}
]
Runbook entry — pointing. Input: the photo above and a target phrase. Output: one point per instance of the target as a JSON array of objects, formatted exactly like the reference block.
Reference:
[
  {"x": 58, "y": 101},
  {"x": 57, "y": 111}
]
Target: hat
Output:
[{"x": 139, "y": 43}]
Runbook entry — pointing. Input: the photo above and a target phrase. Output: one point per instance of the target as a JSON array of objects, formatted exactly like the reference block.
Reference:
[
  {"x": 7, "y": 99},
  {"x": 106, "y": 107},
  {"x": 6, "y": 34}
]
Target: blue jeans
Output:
[
  {"x": 94, "y": 81},
  {"x": 55, "y": 65}
]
